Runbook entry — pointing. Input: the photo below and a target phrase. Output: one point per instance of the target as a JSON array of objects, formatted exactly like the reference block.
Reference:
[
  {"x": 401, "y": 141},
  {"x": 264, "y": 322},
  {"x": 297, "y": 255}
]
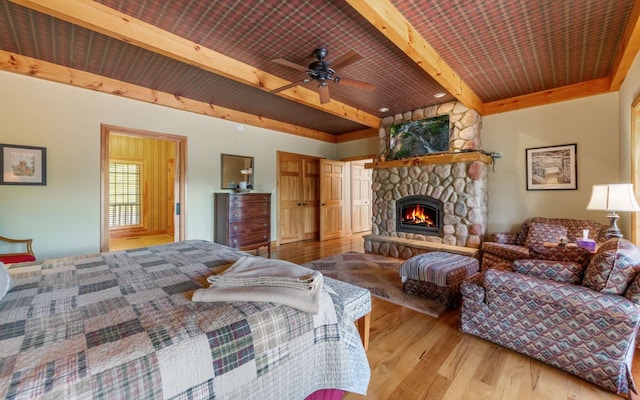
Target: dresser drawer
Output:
[
  {"x": 243, "y": 214},
  {"x": 248, "y": 204},
  {"x": 241, "y": 199},
  {"x": 254, "y": 226},
  {"x": 248, "y": 239}
]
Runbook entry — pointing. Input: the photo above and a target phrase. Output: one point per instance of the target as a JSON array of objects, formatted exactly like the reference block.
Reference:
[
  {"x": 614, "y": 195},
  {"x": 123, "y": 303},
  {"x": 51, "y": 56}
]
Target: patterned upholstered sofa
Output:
[
  {"x": 581, "y": 320},
  {"x": 508, "y": 247}
]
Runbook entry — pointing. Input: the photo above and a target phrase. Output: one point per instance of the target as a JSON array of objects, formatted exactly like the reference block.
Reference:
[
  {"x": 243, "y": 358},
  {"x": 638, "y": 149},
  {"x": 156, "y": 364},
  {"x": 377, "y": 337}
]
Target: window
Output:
[{"x": 124, "y": 194}]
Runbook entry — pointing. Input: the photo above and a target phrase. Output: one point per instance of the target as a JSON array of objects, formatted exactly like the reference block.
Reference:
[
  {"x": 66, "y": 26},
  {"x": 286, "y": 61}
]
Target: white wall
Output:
[
  {"x": 591, "y": 122},
  {"x": 63, "y": 217}
]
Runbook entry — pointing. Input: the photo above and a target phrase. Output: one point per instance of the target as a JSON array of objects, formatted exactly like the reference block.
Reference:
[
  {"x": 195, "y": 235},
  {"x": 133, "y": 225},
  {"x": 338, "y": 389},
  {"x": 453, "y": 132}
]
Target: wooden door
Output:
[
  {"x": 311, "y": 198},
  {"x": 290, "y": 198},
  {"x": 171, "y": 197},
  {"x": 360, "y": 197},
  {"x": 332, "y": 223}
]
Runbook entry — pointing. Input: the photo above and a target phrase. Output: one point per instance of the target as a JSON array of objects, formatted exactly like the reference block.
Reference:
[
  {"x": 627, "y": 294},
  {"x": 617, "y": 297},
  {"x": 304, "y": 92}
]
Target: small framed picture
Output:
[
  {"x": 23, "y": 165},
  {"x": 552, "y": 168}
]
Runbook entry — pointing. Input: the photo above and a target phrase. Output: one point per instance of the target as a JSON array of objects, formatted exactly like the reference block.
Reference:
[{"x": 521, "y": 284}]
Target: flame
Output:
[{"x": 416, "y": 215}]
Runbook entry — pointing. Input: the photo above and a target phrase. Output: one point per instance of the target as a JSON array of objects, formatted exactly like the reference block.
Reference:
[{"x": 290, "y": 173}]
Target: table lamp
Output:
[{"x": 612, "y": 198}]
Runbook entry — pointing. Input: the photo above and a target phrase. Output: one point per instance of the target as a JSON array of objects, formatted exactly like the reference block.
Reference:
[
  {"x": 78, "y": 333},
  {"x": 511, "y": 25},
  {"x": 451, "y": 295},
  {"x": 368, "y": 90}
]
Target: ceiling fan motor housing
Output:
[{"x": 320, "y": 71}]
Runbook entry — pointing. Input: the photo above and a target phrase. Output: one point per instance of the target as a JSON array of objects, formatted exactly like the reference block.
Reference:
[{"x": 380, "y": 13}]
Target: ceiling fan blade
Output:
[
  {"x": 289, "y": 64},
  {"x": 346, "y": 59},
  {"x": 357, "y": 84},
  {"x": 324, "y": 94},
  {"x": 285, "y": 87}
]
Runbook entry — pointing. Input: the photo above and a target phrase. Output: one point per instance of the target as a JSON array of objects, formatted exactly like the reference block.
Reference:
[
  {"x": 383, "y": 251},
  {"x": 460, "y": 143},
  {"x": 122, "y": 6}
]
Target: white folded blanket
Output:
[{"x": 265, "y": 280}]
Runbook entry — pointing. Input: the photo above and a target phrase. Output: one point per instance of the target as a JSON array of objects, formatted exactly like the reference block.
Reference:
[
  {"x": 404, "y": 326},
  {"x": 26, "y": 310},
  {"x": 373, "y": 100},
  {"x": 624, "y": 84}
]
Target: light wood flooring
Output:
[
  {"x": 414, "y": 356},
  {"x": 138, "y": 241}
]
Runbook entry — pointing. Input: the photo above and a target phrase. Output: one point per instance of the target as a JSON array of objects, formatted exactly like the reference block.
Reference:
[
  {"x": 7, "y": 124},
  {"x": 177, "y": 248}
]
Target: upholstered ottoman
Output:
[{"x": 437, "y": 275}]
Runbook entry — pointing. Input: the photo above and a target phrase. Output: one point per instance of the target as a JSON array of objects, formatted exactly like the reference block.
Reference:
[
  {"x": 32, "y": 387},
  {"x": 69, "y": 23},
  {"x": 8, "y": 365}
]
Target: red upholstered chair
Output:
[{"x": 10, "y": 258}]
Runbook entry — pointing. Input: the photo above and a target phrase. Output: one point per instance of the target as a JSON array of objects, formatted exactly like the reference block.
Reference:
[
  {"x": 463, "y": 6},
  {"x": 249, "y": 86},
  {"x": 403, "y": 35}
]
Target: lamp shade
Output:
[{"x": 614, "y": 197}]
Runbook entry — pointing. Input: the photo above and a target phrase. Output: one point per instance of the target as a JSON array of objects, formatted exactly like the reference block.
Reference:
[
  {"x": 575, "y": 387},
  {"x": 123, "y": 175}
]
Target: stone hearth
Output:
[{"x": 458, "y": 179}]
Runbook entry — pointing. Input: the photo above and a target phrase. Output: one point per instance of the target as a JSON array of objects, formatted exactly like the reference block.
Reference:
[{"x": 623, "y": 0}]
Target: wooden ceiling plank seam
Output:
[
  {"x": 392, "y": 24},
  {"x": 628, "y": 49},
  {"x": 555, "y": 95},
  {"x": 107, "y": 21},
  {"x": 15, "y": 63}
]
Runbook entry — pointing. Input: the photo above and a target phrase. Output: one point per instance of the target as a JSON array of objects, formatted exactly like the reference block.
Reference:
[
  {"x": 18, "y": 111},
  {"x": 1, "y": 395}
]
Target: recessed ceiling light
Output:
[
  {"x": 383, "y": 109},
  {"x": 439, "y": 94}
]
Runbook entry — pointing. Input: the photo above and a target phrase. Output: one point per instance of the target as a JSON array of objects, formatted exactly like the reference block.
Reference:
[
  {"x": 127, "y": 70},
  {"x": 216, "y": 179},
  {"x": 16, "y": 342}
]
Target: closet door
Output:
[
  {"x": 360, "y": 197},
  {"x": 332, "y": 194},
  {"x": 290, "y": 198},
  {"x": 311, "y": 198}
]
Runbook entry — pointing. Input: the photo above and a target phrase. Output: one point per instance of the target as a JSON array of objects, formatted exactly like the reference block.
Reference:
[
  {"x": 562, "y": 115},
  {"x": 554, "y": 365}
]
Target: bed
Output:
[{"x": 122, "y": 325}]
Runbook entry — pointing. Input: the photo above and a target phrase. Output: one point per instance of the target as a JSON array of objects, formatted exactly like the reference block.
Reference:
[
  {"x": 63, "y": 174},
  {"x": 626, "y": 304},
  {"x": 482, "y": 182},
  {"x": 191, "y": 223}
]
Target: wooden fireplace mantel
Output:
[{"x": 430, "y": 159}]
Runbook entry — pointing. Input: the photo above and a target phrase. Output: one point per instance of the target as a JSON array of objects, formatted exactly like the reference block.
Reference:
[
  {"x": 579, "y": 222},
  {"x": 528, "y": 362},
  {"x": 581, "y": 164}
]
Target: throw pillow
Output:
[
  {"x": 540, "y": 233},
  {"x": 6, "y": 282},
  {"x": 613, "y": 267}
]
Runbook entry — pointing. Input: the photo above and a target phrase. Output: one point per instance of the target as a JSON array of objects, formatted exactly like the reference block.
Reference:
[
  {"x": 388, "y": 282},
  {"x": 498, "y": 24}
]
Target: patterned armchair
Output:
[
  {"x": 506, "y": 247},
  {"x": 581, "y": 320}
]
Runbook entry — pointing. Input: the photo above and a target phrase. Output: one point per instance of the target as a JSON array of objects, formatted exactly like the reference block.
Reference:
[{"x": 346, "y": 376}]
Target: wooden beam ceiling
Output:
[
  {"x": 628, "y": 50},
  {"x": 112, "y": 23},
  {"x": 16, "y": 63},
  {"x": 390, "y": 22},
  {"x": 380, "y": 13}
]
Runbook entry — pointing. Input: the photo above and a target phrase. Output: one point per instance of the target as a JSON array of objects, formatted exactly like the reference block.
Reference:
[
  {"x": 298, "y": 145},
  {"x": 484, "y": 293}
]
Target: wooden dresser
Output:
[{"x": 243, "y": 220}]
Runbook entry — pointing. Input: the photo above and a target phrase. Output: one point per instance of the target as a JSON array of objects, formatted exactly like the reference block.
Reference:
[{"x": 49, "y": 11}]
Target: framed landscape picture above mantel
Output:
[
  {"x": 552, "y": 168},
  {"x": 417, "y": 138},
  {"x": 23, "y": 165}
]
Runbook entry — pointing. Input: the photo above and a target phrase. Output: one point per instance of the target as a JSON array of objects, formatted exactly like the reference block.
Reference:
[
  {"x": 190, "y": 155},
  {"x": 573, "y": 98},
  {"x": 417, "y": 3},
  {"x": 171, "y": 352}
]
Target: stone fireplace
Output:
[{"x": 450, "y": 187}]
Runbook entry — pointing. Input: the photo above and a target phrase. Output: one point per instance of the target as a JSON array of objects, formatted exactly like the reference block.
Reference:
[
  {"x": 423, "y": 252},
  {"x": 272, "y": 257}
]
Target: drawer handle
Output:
[
  {"x": 265, "y": 224},
  {"x": 235, "y": 228}
]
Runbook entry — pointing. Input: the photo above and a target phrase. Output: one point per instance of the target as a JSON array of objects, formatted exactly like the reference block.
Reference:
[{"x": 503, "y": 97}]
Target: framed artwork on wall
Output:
[
  {"x": 552, "y": 168},
  {"x": 23, "y": 165}
]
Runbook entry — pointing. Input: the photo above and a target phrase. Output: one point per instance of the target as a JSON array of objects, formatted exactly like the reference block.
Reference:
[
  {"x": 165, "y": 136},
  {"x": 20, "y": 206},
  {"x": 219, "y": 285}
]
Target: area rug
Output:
[{"x": 379, "y": 274}]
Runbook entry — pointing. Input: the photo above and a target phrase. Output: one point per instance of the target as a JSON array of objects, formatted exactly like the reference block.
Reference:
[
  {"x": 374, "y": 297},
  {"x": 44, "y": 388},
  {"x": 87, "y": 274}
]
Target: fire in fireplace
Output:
[{"x": 419, "y": 214}]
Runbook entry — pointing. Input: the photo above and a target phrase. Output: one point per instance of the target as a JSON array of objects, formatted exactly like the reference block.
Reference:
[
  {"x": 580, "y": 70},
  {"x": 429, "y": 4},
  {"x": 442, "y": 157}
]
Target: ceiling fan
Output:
[{"x": 324, "y": 72}]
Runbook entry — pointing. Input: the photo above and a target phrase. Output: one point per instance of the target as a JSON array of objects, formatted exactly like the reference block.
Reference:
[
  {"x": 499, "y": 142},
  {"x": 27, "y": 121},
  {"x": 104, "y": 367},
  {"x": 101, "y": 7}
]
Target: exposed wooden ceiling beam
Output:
[
  {"x": 99, "y": 18},
  {"x": 357, "y": 135},
  {"x": 12, "y": 62},
  {"x": 628, "y": 49},
  {"x": 569, "y": 92},
  {"x": 391, "y": 23}
]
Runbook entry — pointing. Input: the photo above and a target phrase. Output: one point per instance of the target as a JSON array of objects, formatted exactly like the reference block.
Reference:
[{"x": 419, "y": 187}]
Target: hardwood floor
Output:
[
  {"x": 414, "y": 356},
  {"x": 138, "y": 241}
]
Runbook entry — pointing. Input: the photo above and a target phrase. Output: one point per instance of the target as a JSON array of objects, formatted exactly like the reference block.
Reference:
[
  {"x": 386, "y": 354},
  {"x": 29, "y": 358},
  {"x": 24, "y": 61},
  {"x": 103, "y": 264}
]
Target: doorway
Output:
[{"x": 142, "y": 182}]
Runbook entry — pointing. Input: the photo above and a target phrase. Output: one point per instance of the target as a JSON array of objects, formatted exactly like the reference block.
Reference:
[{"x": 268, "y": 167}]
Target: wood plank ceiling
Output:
[{"x": 214, "y": 57}]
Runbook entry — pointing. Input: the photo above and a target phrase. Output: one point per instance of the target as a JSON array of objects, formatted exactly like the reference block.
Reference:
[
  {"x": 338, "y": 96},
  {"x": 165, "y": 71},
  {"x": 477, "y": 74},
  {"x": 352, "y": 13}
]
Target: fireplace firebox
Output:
[{"x": 419, "y": 214}]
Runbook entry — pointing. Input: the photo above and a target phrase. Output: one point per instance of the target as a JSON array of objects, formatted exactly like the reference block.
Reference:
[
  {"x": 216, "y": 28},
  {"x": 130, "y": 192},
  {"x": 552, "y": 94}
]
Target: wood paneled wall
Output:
[{"x": 156, "y": 188}]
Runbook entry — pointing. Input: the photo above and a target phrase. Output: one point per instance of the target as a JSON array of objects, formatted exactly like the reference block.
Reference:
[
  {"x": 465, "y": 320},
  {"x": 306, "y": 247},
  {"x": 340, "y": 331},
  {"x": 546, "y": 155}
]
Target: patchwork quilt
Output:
[{"x": 121, "y": 325}]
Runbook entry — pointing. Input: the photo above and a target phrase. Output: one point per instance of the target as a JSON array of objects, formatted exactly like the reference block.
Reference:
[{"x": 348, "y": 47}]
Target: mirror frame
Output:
[{"x": 226, "y": 170}]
